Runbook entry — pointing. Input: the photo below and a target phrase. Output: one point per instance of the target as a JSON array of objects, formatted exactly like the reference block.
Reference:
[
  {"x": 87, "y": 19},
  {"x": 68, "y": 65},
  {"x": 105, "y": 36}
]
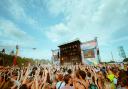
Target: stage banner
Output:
[
  {"x": 55, "y": 55},
  {"x": 89, "y": 53},
  {"x": 89, "y": 45}
]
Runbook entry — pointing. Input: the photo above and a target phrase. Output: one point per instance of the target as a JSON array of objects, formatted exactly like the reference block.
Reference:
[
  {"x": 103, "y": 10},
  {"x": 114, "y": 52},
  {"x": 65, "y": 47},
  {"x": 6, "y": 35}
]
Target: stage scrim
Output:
[{"x": 90, "y": 52}]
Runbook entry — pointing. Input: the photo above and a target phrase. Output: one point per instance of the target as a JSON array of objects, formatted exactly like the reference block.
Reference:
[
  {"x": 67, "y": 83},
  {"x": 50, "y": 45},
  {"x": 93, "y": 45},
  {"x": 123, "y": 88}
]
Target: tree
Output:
[
  {"x": 111, "y": 62},
  {"x": 8, "y": 60},
  {"x": 125, "y": 60}
]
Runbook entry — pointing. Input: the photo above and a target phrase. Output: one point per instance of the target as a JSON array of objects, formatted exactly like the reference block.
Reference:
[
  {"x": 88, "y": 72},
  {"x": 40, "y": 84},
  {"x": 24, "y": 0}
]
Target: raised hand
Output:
[{"x": 26, "y": 74}]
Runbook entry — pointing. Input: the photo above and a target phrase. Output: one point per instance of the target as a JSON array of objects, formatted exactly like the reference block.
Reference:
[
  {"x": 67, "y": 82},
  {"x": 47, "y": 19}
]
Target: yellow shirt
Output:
[{"x": 111, "y": 77}]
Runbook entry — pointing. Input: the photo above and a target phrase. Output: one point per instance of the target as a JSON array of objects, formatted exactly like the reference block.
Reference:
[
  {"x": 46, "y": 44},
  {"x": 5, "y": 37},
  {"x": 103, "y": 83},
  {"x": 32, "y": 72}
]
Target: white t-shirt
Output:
[
  {"x": 67, "y": 87},
  {"x": 60, "y": 84},
  {"x": 115, "y": 80}
]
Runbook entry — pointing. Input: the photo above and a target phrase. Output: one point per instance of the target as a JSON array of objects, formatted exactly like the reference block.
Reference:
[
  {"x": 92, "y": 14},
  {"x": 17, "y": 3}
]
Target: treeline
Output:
[
  {"x": 7, "y": 60},
  {"x": 125, "y": 60},
  {"x": 43, "y": 61}
]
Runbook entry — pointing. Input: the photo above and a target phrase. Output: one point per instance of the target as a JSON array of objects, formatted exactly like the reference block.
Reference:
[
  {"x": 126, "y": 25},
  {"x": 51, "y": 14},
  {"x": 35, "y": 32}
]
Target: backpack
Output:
[{"x": 93, "y": 86}]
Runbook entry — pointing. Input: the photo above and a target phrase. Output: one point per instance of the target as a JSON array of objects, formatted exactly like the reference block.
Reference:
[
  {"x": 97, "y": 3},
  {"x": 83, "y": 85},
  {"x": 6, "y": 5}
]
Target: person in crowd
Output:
[
  {"x": 100, "y": 80},
  {"x": 60, "y": 82},
  {"x": 111, "y": 77},
  {"x": 64, "y": 77},
  {"x": 68, "y": 82},
  {"x": 122, "y": 79},
  {"x": 107, "y": 84},
  {"x": 80, "y": 82}
]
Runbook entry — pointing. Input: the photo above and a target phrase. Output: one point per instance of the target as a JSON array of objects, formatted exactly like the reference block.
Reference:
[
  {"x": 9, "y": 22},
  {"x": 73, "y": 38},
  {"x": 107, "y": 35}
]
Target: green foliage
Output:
[
  {"x": 7, "y": 60},
  {"x": 43, "y": 61},
  {"x": 111, "y": 62},
  {"x": 125, "y": 60}
]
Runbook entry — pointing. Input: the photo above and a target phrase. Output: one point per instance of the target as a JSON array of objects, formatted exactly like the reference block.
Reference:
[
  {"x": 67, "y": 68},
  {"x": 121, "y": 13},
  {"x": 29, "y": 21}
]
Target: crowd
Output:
[{"x": 64, "y": 77}]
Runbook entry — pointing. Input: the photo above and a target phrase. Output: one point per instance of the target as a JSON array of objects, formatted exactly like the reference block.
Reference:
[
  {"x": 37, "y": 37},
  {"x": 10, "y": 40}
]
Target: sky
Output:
[{"x": 44, "y": 24}]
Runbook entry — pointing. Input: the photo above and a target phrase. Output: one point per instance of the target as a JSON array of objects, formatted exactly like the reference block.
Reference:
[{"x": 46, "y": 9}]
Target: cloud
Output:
[
  {"x": 57, "y": 32},
  {"x": 15, "y": 10},
  {"x": 63, "y": 20},
  {"x": 10, "y": 31},
  {"x": 77, "y": 18},
  {"x": 20, "y": 24},
  {"x": 56, "y": 9},
  {"x": 88, "y": 18},
  {"x": 121, "y": 32},
  {"x": 18, "y": 13}
]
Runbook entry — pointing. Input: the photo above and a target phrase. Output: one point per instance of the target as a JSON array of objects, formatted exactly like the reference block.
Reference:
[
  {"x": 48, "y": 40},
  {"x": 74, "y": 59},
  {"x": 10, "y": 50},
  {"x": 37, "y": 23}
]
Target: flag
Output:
[
  {"x": 14, "y": 60},
  {"x": 15, "y": 57}
]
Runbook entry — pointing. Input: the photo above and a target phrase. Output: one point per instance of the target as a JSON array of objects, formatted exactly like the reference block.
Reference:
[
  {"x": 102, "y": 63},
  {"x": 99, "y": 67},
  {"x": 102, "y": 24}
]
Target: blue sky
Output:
[{"x": 44, "y": 24}]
